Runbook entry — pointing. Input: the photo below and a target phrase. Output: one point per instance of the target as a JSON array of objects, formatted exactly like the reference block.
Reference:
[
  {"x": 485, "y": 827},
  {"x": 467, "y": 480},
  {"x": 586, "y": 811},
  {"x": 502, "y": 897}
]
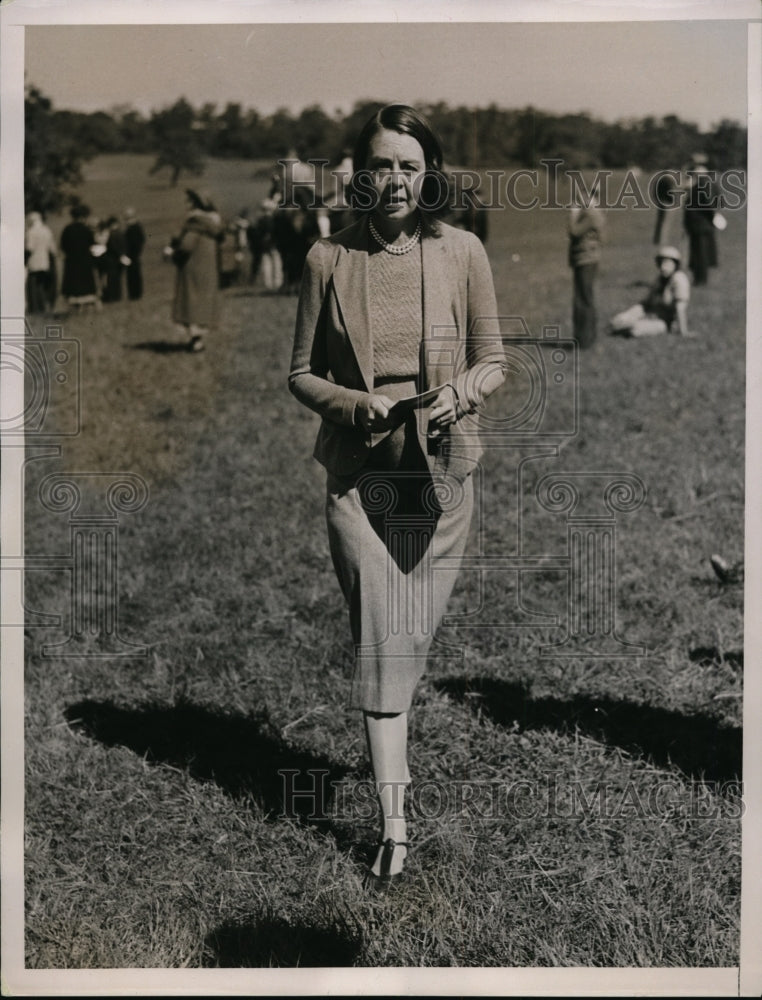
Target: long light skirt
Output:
[{"x": 396, "y": 542}]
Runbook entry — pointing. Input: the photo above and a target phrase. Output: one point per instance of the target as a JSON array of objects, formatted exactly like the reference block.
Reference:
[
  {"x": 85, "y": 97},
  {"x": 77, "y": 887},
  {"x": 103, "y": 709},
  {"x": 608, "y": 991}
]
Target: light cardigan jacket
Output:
[{"x": 332, "y": 361}]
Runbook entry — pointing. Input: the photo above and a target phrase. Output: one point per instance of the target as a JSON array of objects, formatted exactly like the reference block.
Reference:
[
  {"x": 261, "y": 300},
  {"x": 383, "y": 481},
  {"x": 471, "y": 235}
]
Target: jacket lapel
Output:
[
  {"x": 429, "y": 274},
  {"x": 350, "y": 282},
  {"x": 437, "y": 316},
  {"x": 434, "y": 295}
]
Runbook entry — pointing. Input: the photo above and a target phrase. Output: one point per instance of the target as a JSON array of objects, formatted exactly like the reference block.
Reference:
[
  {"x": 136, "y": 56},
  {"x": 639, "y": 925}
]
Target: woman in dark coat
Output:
[
  {"x": 698, "y": 220},
  {"x": 196, "y": 255},
  {"x": 295, "y": 230},
  {"x": 77, "y": 238},
  {"x": 134, "y": 241},
  {"x": 113, "y": 262}
]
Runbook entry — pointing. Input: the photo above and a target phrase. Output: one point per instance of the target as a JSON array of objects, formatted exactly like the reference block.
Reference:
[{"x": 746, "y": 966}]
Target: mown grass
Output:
[{"x": 154, "y": 811}]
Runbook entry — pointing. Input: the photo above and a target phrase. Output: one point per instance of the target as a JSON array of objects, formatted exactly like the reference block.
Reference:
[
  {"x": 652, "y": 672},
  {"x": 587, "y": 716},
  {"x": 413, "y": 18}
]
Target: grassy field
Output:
[{"x": 155, "y": 826}]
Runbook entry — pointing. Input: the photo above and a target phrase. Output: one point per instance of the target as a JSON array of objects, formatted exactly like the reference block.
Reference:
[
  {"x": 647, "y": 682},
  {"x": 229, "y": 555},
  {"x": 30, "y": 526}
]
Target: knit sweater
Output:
[{"x": 396, "y": 310}]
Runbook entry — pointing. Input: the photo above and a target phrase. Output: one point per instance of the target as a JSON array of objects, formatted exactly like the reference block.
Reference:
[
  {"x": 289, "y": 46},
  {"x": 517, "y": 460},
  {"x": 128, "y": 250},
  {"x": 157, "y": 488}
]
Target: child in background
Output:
[{"x": 665, "y": 307}]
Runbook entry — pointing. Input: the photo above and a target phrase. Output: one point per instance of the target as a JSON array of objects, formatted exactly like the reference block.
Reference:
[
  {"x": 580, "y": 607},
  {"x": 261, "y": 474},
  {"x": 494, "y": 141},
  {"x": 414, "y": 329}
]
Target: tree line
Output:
[{"x": 180, "y": 137}]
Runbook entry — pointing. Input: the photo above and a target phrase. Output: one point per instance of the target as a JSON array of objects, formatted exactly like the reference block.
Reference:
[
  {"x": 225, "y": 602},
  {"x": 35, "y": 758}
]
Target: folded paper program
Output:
[{"x": 417, "y": 402}]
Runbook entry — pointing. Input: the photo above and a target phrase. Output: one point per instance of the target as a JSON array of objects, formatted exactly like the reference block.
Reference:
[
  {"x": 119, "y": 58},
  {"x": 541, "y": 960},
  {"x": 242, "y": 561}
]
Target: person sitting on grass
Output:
[{"x": 665, "y": 308}]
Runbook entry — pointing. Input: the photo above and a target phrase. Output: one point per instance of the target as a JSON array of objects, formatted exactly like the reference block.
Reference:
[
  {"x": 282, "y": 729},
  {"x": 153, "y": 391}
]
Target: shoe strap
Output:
[{"x": 389, "y": 846}]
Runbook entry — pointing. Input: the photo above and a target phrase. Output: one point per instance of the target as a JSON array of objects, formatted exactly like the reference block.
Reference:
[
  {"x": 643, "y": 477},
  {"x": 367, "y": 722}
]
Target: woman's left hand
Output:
[{"x": 444, "y": 412}]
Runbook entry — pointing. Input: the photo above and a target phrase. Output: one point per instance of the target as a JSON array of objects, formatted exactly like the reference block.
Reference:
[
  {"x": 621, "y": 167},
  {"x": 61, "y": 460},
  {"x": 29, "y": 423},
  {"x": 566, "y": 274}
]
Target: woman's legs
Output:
[
  {"x": 649, "y": 326},
  {"x": 623, "y": 322},
  {"x": 35, "y": 291},
  {"x": 387, "y": 748},
  {"x": 267, "y": 270},
  {"x": 636, "y": 322}
]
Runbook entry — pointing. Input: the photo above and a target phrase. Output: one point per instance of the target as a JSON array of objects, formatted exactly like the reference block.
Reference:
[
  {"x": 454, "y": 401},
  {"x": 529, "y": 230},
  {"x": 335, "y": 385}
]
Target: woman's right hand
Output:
[{"x": 372, "y": 413}]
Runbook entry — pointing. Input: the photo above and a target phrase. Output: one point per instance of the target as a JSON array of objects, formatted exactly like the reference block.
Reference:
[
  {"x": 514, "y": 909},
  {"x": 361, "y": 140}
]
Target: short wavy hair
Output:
[{"x": 435, "y": 190}]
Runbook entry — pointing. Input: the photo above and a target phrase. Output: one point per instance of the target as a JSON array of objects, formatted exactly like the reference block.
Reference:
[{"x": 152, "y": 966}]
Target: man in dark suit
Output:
[
  {"x": 134, "y": 239},
  {"x": 698, "y": 219}
]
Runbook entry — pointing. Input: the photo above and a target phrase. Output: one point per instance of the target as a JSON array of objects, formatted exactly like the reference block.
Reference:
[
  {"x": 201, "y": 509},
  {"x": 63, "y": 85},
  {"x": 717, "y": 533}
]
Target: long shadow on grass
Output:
[
  {"x": 275, "y": 942},
  {"x": 694, "y": 743},
  {"x": 160, "y": 346},
  {"x": 246, "y": 757}
]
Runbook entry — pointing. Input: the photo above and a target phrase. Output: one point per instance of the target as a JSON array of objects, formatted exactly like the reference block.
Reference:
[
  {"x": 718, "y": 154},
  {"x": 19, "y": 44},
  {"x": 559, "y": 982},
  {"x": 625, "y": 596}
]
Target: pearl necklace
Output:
[{"x": 397, "y": 249}]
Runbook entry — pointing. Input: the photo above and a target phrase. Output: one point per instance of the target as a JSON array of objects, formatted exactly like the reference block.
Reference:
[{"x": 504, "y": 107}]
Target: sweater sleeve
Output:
[{"x": 308, "y": 378}]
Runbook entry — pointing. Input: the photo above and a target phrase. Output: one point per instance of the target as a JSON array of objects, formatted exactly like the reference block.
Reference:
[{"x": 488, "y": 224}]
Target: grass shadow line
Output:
[
  {"x": 243, "y": 756},
  {"x": 696, "y": 744}
]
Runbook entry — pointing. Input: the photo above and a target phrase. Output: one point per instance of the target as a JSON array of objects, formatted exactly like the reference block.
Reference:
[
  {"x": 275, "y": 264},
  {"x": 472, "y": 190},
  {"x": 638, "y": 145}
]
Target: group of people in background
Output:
[
  {"x": 271, "y": 248},
  {"x": 294, "y": 215},
  {"x": 665, "y": 308},
  {"x": 102, "y": 258},
  {"x": 119, "y": 260},
  {"x": 97, "y": 257}
]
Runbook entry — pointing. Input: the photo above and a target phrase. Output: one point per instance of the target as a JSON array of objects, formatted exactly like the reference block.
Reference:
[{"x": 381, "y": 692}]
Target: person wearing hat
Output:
[
  {"x": 196, "y": 255},
  {"x": 665, "y": 308}
]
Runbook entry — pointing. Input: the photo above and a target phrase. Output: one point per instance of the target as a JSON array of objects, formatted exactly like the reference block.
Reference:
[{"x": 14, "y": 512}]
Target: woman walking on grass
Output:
[
  {"x": 196, "y": 255},
  {"x": 396, "y": 305}
]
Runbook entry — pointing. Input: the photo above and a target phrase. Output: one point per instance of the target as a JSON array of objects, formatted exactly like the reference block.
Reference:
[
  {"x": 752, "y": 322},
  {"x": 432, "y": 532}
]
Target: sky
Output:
[{"x": 695, "y": 69}]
